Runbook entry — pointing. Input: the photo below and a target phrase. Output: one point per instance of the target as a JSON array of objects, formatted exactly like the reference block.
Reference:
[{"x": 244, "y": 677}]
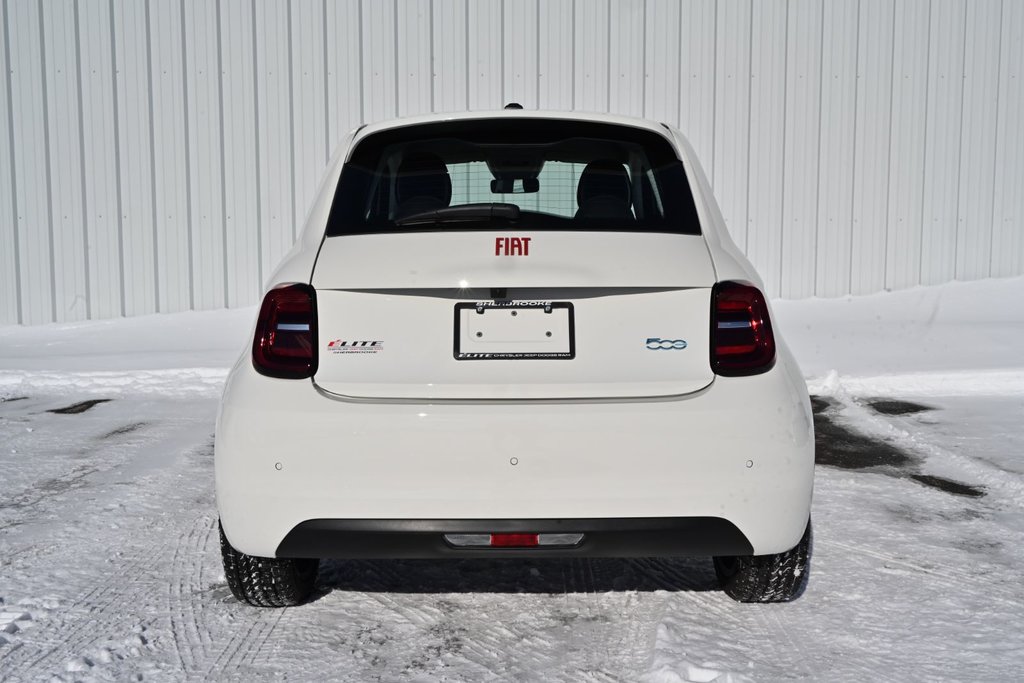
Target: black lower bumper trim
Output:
[{"x": 424, "y": 538}]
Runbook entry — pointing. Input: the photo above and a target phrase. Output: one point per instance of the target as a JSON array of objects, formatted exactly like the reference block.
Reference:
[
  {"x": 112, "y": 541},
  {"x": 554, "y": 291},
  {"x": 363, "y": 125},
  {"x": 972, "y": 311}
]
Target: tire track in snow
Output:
[
  {"x": 773, "y": 623},
  {"x": 482, "y": 646},
  {"x": 524, "y": 639},
  {"x": 184, "y": 594},
  {"x": 622, "y": 644},
  {"x": 530, "y": 629},
  {"x": 688, "y": 594},
  {"x": 432, "y": 619},
  {"x": 954, "y": 579},
  {"x": 377, "y": 585},
  {"x": 560, "y": 620},
  {"x": 245, "y": 646},
  {"x": 682, "y": 581},
  {"x": 121, "y": 602},
  {"x": 666, "y": 573},
  {"x": 77, "y": 630},
  {"x": 254, "y": 647}
]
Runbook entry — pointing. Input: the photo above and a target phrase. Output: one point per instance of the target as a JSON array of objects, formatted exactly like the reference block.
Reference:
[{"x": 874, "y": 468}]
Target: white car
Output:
[{"x": 514, "y": 334}]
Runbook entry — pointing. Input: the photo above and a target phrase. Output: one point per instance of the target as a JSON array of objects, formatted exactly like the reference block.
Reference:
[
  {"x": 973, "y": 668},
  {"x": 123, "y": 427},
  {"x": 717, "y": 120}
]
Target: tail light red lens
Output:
[
  {"x": 285, "y": 341},
  {"x": 515, "y": 540},
  {"x": 742, "y": 342}
]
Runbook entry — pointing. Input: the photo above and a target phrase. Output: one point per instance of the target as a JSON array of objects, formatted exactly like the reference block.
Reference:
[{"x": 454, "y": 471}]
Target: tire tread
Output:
[
  {"x": 767, "y": 578},
  {"x": 267, "y": 581}
]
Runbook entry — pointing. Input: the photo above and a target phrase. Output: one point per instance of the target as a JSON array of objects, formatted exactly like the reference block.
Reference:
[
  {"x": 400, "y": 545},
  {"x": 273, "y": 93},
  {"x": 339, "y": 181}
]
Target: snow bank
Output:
[
  {"x": 961, "y": 338},
  {"x": 207, "y": 339},
  {"x": 172, "y": 383},
  {"x": 174, "y": 355}
]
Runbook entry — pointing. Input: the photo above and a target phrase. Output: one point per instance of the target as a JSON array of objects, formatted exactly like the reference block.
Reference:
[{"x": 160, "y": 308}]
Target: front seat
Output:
[
  {"x": 604, "y": 191},
  {"x": 422, "y": 184}
]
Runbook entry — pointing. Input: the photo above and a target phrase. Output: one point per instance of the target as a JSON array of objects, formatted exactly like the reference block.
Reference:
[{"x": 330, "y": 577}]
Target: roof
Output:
[{"x": 511, "y": 114}]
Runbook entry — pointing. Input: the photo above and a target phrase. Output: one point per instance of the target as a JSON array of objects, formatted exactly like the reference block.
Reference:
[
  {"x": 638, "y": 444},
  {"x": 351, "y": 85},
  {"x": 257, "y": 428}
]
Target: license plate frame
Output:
[{"x": 567, "y": 351}]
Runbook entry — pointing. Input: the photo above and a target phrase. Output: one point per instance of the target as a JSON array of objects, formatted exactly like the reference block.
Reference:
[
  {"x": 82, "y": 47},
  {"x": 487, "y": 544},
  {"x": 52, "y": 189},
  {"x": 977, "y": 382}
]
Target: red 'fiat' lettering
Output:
[{"x": 512, "y": 246}]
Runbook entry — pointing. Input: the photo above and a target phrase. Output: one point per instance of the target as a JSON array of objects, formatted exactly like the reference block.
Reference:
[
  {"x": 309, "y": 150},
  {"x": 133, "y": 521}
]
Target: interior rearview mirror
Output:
[{"x": 514, "y": 185}]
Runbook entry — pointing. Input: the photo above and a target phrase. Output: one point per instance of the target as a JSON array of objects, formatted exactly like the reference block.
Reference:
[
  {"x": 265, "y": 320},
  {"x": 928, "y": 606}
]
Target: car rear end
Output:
[{"x": 513, "y": 341}]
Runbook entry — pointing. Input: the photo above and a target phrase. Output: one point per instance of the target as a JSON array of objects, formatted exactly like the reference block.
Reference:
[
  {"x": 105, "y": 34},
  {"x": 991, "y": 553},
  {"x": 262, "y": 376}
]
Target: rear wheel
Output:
[
  {"x": 267, "y": 581},
  {"x": 766, "y": 578}
]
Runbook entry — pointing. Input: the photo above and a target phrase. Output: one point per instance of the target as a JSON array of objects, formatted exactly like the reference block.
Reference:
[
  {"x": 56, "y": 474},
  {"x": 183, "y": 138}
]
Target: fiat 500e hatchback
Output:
[{"x": 514, "y": 334}]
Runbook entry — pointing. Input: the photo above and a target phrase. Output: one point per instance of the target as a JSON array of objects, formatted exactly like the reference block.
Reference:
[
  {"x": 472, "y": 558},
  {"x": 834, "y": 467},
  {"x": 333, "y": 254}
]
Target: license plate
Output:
[{"x": 514, "y": 330}]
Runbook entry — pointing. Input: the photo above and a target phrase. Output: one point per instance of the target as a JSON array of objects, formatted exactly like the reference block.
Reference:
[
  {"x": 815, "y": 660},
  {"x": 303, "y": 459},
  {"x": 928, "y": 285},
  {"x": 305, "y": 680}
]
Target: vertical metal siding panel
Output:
[
  {"x": 556, "y": 33},
  {"x": 942, "y": 141},
  {"x": 661, "y": 57},
  {"x": 626, "y": 58},
  {"x": 136, "y": 162},
  {"x": 591, "y": 58},
  {"x": 414, "y": 66},
  {"x": 379, "y": 87},
  {"x": 344, "y": 64},
  {"x": 204, "y": 154},
  {"x": 309, "y": 106},
  {"x": 26, "y": 73},
  {"x": 8, "y": 218},
  {"x": 906, "y": 158},
  {"x": 836, "y": 155},
  {"x": 697, "y": 79},
  {"x": 457, "y": 68},
  {"x": 853, "y": 146},
  {"x": 1008, "y": 199},
  {"x": 803, "y": 119},
  {"x": 61, "y": 82},
  {"x": 519, "y": 26},
  {"x": 450, "y": 67},
  {"x": 732, "y": 115},
  {"x": 871, "y": 152},
  {"x": 171, "y": 170},
  {"x": 274, "y": 132},
  {"x": 978, "y": 144},
  {"x": 100, "y": 145},
  {"x": 241, "y": 192},
  {"x": 519, "y": 63},
  {"x": 485, "y": 54},
  {"x": 767, "y": 135}
]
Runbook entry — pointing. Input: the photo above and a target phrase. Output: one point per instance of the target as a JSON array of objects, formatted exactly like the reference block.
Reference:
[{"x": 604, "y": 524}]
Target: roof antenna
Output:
[{"x": 513, "y": 105}]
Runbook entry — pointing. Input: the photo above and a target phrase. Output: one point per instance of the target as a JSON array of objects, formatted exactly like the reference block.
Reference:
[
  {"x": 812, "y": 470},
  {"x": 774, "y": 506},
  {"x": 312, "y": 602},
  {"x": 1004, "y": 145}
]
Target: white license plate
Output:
[{"x": 504, "y": 330}]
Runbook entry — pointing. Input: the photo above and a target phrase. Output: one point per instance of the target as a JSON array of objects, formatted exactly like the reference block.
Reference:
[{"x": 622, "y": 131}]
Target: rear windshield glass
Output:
[{"x": 521, "y": 173}]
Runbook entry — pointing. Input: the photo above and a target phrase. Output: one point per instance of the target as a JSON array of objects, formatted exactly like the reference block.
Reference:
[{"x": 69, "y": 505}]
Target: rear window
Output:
[{"x": 532, "y": 174}]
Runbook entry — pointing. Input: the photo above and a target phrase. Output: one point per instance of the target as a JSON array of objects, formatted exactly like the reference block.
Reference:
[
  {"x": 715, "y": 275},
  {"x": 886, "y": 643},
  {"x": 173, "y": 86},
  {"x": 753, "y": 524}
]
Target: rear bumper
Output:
[
  {"x": 741, "y": 450},
  {"x": 425, "y": 538}
]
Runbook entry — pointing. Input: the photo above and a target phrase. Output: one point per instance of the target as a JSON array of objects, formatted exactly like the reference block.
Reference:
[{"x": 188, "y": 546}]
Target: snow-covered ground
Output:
[{"x": 109, "y": 566}]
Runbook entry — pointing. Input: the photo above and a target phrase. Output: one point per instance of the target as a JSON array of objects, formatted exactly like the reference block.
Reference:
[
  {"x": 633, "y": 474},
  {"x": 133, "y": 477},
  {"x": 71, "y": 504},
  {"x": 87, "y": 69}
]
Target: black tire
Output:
[
  {"x": 767, "y": 578},
  {"x": 267, "y": 581}
]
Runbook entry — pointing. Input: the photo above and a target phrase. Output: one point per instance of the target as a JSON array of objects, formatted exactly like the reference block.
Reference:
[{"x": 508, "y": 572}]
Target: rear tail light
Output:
[
  {"x": 742, "y": 342},
  {"x": 285, "y": 341}
]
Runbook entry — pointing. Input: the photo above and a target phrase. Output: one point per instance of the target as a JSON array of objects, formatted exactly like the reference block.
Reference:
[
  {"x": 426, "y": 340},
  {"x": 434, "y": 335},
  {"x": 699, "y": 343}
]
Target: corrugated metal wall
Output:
[{"x": 159, "y": 155}]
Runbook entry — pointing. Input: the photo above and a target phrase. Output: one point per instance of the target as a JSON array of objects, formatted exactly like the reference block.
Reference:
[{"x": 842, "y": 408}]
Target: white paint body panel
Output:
[
  {"x": 466, "y": 260},
  {"x": 612, "y": 360},
  {"x": 436, "y": 439}
]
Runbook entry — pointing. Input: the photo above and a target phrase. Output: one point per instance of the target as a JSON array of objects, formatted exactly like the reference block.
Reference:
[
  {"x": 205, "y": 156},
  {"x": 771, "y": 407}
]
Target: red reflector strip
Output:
[{"x": 514, "y": 540}]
